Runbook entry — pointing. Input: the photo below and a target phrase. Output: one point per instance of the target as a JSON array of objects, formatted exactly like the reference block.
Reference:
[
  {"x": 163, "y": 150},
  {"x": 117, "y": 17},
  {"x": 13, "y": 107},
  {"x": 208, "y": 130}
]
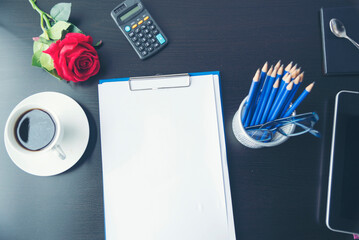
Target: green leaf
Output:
[
  {"x": 74, "y": 29},
  {"x": 45, "y": 41},
  {"x": 55, "y": 32},
  {"x": 54, "y": 74},
  {"x": 63, "y": 34},
  {"x": 39, "y": 45},
  {"x": 46, "y": 62},
  {"x": 36, "y": 59},
  {"x": 98, "y": 44},
  {"x": 61, "y": 11}
]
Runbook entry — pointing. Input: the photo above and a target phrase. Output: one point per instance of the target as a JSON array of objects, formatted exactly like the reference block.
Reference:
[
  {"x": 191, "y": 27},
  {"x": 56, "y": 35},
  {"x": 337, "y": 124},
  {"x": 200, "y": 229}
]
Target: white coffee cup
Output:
[{"x": 10, "y": 132}]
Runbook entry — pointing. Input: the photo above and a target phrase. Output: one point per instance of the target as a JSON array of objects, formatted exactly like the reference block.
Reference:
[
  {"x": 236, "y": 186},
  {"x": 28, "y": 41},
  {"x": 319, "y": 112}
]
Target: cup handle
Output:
[{"x": 60, "y": 152}]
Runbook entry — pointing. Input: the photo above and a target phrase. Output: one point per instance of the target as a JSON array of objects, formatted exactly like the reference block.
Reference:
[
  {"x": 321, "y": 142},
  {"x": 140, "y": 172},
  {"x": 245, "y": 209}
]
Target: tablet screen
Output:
[
  {"x": 343, "y": 194},
  {"x": 350, "y": 185}
]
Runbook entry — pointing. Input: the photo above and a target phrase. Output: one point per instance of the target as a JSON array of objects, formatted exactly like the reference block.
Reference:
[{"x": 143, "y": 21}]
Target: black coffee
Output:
[{"x": 35, "y": 129}]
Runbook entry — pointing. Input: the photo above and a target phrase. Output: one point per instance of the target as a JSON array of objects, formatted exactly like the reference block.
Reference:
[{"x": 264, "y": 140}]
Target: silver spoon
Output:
[{"x": 338, "y": 29}]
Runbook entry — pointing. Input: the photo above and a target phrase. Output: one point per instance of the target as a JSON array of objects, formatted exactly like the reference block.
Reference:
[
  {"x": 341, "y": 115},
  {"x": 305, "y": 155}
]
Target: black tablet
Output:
[{"x": 343, "y": 188}]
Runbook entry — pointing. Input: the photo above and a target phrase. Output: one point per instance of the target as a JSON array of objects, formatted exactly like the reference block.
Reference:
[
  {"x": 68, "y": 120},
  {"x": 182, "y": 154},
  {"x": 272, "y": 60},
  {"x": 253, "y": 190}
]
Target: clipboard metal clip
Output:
[{"x": 159, "y": 82}]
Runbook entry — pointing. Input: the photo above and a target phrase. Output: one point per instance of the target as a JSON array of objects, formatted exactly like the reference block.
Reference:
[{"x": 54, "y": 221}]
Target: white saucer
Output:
[{"x": 74, "y": 141}]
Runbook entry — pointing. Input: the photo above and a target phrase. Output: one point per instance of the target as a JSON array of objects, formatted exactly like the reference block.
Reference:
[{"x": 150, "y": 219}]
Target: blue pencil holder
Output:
[{"x": 242, "y": 136}]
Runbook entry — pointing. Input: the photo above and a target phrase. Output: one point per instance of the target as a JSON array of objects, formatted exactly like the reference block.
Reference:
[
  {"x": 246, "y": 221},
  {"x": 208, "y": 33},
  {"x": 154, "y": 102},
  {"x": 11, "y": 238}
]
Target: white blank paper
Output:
[{"x": 163, "y": 172}]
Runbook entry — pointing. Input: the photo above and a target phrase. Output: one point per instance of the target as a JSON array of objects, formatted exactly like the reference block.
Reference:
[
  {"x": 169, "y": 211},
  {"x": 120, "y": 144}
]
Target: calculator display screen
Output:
[{"x": 130, "y": 13}]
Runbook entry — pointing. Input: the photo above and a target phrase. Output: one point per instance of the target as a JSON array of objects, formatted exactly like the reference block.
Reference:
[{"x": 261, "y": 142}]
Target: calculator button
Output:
[
  {"x": 149, "y": 22},
  {"x": 152, "y": 27},
  {"x": 131, "y": 34},
  {"x": 137, "y": 43},
  {"x": 134, "y": 39},
  {"x": 150, "y": 49},
  {"x": 143, "y": 40},
  {"x": 149, "y": 36},
  {"x": 153, "y": 40},
  {"x": 140, "y": 22},
  {"x": 140, "y": 35},
  {"x": 137, "y": 30},
  {"x": 146, "y": 18},
  {"x": 134, "y": 26},
  {"x": 141, "y": 48},
  {"x": 155, "y": 32},
  {"x": 127, "y": 28},
  {"x": 160, "y": 38},
  {"x": 146, "y": 31},
  {"x": 144, "y": 53},
  {"x": 156, "y": 45},
  {"x": 147, "y": 44},
  {"x": 143, "y": 27}
]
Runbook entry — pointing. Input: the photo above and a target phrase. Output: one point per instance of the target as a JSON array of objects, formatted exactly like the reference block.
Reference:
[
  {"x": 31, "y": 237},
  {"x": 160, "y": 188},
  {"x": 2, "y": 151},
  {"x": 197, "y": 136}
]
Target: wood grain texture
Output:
[{"x": 277, "y": 193}]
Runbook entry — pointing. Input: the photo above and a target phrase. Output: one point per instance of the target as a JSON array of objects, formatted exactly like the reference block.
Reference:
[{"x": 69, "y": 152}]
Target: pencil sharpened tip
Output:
[
  {"x": 289, "y": 66},
  {"x": 276, "y": 84},
  {"x": 256, "y": 76},
  {"x": 265, "y": 67},
  {"x": 297, "y": 80},
  {"x": 277, "y": 65},
  {"x": 270, "y": 71},
  {"x": 290, "y": 86},
  {"x": 310, "y": 87}
]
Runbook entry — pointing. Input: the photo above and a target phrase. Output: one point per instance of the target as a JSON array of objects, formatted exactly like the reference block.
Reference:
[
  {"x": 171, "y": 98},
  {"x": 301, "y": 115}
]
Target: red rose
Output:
[{"x": 75, "y": 59}]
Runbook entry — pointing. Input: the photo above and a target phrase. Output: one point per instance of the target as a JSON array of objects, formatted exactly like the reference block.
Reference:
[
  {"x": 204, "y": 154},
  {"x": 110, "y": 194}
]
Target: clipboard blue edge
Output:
[{"x": 127, "y": 78}]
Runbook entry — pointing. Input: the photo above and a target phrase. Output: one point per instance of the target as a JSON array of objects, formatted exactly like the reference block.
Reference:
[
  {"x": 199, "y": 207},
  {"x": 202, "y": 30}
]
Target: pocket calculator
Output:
[{"x": 140, "y": 29}]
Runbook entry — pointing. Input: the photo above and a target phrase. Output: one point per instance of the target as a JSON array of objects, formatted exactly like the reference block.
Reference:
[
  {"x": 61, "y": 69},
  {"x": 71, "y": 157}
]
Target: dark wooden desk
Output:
[{"x": 277, "y": 193}]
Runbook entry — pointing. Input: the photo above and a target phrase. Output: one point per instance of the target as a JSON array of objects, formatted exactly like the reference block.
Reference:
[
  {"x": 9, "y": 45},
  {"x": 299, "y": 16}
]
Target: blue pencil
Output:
[
  {"x": 287, "y": 68},
  {"x": 251, "y": 95},
  {"x": 263, "y": 74},
  {"x": 276, "y": 111},
  {"x": 291, "y": 71},
  {"x": 281, "y": 90},
  {"x": 294, "y": 68},
  {"x": 277, "y": 65},
  {"x": 266, "y": 93},
  {"x": 296, "y": 85},
  {"x": 285, "y": 80},
  {"x": 260, "y": 98},
  {"x": 270, "y": 101},
  {"x": 279, "y": 76},
  {"x": 299, "y": 100},
  {"x": 301, "y": 79},
  {"x": 253, "y": 107},
  {"x": 280, "y": 73},
  {"x": 295, "y": 74}
]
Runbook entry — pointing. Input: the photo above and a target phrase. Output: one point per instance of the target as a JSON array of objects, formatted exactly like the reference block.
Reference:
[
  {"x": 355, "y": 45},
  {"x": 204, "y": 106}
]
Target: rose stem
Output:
[{"x": 44, "y": 16}]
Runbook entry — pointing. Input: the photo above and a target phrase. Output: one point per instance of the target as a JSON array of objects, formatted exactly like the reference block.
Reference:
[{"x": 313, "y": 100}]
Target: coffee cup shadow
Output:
[{"x": 91, "y": 143}]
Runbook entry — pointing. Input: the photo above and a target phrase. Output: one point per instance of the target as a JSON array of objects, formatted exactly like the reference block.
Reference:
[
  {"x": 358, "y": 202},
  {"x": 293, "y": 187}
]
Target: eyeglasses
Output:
[{"x": 301, "y": 123}]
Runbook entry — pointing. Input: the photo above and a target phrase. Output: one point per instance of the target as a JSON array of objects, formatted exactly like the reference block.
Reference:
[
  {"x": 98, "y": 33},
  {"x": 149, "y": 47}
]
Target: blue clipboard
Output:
[{"x": 164, "y": 158}]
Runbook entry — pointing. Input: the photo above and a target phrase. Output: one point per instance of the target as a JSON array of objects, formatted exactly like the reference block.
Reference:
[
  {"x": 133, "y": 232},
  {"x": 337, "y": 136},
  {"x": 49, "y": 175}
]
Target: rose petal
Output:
[
  {"x": 79, "y": 37},
  {"x": 75, "y": 59}
]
